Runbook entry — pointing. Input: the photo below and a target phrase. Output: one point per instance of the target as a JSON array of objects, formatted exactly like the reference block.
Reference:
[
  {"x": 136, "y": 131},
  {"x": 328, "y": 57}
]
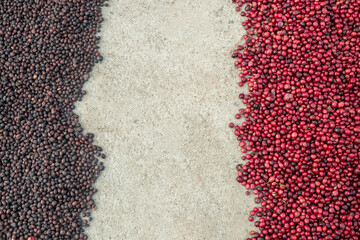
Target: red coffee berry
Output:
[{"x": 301, "y": 128}]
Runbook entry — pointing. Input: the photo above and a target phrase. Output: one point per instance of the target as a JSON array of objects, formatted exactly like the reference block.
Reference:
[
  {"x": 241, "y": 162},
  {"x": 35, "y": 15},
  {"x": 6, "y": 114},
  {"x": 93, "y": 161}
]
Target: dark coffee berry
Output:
[{"x": 47, "y": 163}]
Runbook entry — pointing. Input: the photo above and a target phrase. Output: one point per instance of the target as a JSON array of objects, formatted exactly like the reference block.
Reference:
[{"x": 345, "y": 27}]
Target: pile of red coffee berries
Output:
[
  {"x": 47, "y": 163},
  {"x": 301, "y": 129}
]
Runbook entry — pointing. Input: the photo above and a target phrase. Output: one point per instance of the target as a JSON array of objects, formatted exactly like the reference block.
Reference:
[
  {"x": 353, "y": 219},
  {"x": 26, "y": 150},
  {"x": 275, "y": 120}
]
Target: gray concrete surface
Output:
[{"x": 160, "y": 104}]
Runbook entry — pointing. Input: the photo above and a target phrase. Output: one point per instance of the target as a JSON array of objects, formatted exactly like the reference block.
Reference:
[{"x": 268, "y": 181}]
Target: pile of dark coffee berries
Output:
[
  {"x": 47, "y": 163},
  {"x": 301, "y": 128}
]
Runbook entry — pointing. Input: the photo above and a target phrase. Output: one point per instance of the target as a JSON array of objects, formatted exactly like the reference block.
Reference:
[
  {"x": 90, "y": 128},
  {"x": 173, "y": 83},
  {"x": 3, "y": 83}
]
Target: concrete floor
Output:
[{"x": 159, "y": 105}]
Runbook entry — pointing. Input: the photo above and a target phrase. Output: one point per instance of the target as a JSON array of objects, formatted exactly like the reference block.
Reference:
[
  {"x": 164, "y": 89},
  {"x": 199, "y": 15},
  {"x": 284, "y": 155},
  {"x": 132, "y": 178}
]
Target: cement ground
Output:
[{"x": 159, "y": 105}]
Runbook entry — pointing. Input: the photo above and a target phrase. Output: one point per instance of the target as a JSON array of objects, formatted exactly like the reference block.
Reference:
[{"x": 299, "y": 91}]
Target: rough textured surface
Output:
[{"x": 160, "y": 104}]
